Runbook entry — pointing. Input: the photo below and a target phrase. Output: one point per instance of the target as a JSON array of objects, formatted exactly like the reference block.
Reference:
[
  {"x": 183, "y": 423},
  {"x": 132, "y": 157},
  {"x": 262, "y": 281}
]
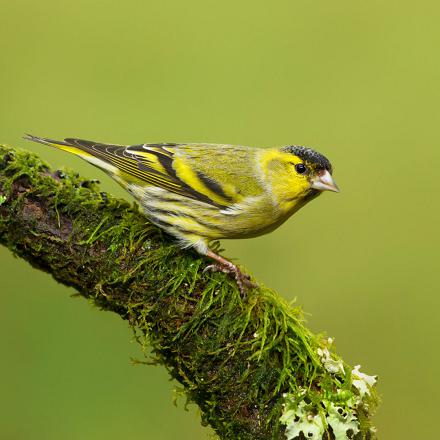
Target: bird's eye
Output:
[{"x": 300, "y": 168}]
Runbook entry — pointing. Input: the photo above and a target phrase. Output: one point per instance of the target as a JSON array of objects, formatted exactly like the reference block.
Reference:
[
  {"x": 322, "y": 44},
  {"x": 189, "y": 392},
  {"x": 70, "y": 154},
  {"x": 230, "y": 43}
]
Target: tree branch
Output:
[{"x": 245, "y": 361}]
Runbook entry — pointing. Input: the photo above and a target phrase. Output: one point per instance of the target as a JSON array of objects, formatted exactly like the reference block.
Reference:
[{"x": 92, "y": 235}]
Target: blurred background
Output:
[{"x": 359, "y": 81}]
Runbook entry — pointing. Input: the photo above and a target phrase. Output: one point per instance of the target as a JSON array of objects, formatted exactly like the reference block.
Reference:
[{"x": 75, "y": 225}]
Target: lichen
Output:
[
  {"x": 235, "y": 356},
  {"x": 340, "y": 415},
  {"x": 363, "y": 382}
]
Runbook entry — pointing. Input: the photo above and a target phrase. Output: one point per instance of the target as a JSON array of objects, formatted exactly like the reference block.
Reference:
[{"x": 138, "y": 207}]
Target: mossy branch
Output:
[{"x": 251, "y": 365}]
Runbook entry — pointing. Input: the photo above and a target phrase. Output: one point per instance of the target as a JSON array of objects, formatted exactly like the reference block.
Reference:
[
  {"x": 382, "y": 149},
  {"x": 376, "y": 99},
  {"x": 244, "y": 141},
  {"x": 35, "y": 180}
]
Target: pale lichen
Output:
[
  {"x": 338, "y": 415},
  {"x": 301, "y": 419},
  {"x": 363, "y": 382},
  {"x": 330, "y": 364}
]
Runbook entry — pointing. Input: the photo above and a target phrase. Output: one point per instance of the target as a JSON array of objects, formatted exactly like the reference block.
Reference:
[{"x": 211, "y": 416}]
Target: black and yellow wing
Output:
[{"x": 163, "y": 165}]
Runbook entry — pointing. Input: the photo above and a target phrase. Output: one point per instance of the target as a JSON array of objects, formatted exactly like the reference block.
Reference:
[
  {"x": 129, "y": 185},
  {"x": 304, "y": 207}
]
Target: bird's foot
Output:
[{"x": 243, "y": 280}]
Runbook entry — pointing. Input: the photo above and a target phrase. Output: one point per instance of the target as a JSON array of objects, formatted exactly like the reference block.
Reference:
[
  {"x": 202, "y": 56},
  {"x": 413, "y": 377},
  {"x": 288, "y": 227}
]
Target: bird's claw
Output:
[{"x": 243, "y": 280}]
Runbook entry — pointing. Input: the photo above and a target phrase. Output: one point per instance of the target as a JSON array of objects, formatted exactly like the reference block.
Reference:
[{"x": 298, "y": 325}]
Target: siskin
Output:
[{"x": 204, "y": 192}]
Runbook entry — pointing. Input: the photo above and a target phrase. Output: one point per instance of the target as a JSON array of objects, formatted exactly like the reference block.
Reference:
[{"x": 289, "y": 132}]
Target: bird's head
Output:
[
  {"x": 298, "y": 173},
  {"x": 312, "y": 168}
]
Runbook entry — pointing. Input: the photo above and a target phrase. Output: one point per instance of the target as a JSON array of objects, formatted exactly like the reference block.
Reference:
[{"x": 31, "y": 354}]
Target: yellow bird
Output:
[{"x": 204, "y": 192}]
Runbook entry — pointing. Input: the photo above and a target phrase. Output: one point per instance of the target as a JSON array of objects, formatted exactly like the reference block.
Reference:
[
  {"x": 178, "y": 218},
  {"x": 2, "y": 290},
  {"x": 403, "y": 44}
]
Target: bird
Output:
[{"x": 201, "y": 192}]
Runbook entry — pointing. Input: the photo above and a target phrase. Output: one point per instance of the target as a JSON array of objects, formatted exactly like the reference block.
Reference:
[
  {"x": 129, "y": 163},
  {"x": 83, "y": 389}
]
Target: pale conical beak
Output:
[{"x": 325, "y": 182}]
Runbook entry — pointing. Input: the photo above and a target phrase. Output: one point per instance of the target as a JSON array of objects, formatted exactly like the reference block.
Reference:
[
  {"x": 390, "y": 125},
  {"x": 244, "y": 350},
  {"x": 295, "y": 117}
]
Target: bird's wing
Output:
[
  {"x": 197, "y": 171},
  {"x": 166, "y": 166}
]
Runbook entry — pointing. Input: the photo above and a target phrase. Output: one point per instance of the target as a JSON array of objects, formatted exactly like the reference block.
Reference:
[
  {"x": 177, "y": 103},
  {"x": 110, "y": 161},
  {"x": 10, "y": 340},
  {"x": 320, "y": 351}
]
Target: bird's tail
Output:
[
  {"x": 61, "y": 145},
  {"x": 108, "y": 157}
]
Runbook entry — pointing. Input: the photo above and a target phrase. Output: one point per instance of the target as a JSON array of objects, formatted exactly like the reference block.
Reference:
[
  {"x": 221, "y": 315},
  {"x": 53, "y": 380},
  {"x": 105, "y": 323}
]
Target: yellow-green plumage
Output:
[{"x": 201, "y": 192}]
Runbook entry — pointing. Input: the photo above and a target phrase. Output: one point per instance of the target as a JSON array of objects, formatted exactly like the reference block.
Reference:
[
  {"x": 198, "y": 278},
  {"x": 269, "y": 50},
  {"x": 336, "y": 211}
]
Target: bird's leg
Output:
[{"x": 225, "y": 266}]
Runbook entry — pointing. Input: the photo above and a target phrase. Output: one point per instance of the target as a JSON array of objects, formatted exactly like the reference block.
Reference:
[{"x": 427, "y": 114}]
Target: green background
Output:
[{"x": 358, "y": 80}]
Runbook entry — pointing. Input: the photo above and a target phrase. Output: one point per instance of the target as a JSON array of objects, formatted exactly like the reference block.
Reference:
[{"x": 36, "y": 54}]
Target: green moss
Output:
[{"x": 240, "y": 359}]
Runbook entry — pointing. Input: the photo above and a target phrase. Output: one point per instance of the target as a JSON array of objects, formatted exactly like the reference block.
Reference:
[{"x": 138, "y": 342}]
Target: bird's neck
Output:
[{"x": 288, "y": 206}]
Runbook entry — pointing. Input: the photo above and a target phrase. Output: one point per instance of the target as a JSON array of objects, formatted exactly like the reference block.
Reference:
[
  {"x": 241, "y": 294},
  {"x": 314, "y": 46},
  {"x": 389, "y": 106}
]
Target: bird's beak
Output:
[{"x": 325, "y": 182}]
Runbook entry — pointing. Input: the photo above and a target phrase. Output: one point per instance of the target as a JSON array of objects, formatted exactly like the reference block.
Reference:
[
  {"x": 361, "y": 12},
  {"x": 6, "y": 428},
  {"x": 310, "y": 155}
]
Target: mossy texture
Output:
[{"x": 242, "y": 360}]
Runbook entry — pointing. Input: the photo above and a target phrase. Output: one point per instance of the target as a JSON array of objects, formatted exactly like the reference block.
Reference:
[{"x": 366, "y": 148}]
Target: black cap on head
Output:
[{"x": 309, "y": 155}]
